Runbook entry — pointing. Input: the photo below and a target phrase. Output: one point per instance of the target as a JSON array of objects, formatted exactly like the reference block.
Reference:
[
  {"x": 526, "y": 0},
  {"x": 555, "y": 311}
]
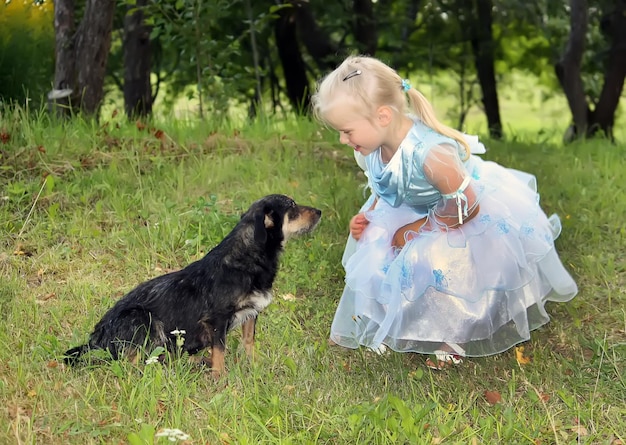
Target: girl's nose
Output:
[{"x": 343, "y": 138}]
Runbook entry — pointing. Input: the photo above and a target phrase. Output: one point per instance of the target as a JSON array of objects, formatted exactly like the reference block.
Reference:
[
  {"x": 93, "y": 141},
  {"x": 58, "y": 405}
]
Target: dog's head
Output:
[{"x": 278, "y": 217}]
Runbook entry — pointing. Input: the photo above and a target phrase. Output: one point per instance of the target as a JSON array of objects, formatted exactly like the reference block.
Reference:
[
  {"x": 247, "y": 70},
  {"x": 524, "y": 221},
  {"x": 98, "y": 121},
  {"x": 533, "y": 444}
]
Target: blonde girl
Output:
[{"x": 451, "y": 255}]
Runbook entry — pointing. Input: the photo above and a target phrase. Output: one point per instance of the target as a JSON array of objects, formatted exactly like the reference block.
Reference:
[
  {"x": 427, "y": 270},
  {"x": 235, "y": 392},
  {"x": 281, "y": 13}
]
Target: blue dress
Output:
[{"x": 481, "y": 284}]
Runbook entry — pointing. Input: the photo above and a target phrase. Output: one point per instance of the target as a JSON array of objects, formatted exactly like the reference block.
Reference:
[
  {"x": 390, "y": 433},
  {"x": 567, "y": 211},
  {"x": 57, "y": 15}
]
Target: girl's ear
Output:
[{"x": 384, "y": 115}]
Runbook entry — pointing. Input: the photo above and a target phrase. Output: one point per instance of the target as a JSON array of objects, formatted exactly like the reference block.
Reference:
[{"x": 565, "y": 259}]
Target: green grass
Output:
[{"x": 89, "y": 211}]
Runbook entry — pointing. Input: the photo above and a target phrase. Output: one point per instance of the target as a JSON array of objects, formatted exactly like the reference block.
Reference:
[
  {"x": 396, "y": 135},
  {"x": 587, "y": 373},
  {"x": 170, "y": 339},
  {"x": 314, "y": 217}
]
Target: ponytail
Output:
[{"x": 425, "y": 112}]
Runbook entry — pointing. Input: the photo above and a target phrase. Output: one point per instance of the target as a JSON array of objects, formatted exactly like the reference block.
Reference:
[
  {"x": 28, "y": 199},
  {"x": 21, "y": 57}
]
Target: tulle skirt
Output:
[{"x": 482, "y": 286}]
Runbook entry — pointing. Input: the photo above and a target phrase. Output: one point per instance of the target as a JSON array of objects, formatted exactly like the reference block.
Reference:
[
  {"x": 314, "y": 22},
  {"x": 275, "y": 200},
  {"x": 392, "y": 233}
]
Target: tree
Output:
[
  {"x": 294, "y": 68},
  {"x": 613, "y": 26},
  {"x": 588, "y": 122},
  {"x": 365, "y": 26},
  {"x": 484, "y": 60},
  {"x": 568, "y": 68},
  {"x": 585, "y": 45},
  {"x": 137, "y": 62},
  {"x": 465, "y": 46},
  {"x": 81, "y": 56},
  {"x": 296, "y": 25}
]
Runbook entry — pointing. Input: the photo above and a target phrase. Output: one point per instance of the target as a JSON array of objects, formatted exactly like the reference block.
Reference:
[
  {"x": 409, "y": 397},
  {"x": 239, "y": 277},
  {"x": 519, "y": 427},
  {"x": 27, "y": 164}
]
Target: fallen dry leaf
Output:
[
  {"x": 579, "y": 429},
  {"x": 493, "y": 397},
  {"x": 48, "y": 296},
  {"x": 161, "y": 407},
  {"x": 16, "y": 411},
  {"x": 520, "y": 357}
]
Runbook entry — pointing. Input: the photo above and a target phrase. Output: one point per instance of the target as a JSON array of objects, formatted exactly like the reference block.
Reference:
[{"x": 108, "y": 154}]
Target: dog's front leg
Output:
[
  {"x": 248, "y": 329},
  {"x": 218, "y": 347}
]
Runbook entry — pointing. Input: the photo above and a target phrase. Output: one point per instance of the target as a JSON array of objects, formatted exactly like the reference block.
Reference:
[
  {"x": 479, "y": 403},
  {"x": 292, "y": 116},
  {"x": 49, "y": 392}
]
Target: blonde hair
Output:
[{"x": 372, "y": 84}]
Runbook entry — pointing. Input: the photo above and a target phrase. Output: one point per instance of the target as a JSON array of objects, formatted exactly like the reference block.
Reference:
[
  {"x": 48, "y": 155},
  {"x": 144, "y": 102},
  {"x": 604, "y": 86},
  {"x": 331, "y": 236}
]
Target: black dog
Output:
[{"x": 229, "y": 287}]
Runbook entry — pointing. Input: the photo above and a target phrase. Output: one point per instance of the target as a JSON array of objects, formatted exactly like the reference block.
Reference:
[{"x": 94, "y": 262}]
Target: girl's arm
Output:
[
  {"x": 445, "y": 171},
  {"x": 458, "y": 204}
]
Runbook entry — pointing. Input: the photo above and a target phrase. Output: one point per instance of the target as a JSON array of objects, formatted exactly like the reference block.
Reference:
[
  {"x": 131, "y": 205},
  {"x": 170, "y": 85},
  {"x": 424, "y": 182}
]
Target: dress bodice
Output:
[{"x": 402, "y": 179}]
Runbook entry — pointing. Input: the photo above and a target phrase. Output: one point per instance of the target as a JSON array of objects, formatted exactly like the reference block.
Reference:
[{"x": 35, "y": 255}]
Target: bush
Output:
[{"x": 26, "y": 50}]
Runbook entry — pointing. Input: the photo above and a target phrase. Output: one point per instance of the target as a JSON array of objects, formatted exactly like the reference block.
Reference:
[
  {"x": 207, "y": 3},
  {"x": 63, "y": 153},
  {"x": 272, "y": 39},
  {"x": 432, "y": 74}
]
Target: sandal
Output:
[
  {"x": 445, "y": 359},
  {"x": 382, "y": 349}
]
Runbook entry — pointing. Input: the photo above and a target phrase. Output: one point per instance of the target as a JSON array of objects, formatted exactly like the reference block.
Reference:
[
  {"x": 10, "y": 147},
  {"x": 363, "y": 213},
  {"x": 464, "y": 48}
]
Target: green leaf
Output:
[
  {"x": 291, "y": 364},
  {"x": 50, "y": 181},
  {"x": 144, "y": 437},
  {"x": 134, "y": 439}
]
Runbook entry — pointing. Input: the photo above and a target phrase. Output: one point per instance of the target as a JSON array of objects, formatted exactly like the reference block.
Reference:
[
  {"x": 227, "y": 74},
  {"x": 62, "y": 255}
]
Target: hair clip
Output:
[
  {"x": 406, "y": 85},
  {"x": 352, "y": 74}
]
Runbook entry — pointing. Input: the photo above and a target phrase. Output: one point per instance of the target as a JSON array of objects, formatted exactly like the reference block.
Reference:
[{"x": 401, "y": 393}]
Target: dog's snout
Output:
[{"x": 316, "y": 214}]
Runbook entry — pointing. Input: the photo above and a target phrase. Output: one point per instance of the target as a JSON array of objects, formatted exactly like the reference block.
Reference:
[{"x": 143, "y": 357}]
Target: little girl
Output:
[{"x": 451, "y": 255}]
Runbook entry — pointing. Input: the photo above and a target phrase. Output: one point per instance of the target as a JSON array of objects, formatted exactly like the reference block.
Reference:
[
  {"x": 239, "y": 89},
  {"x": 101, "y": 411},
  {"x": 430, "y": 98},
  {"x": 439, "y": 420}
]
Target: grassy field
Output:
[{"x": 89, "y": 211}]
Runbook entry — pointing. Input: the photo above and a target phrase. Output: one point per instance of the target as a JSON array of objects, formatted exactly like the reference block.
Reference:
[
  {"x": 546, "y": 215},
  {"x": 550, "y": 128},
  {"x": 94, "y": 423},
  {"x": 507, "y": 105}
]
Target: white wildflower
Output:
[
  {"x": 180, "y": 337},
  {"x": 152, "y": 360},
  {"x": 172, "y": 434}
]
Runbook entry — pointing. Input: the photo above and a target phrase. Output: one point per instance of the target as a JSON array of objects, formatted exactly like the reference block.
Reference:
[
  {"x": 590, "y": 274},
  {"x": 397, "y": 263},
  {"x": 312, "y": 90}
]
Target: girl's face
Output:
[{"x": 362, "y": 134}]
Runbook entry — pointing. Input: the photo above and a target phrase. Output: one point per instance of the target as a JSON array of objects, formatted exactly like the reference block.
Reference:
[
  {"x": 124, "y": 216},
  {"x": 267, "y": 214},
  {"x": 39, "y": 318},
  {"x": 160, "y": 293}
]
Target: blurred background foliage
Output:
[
  {"x": 26, "y": 50},
  {"x": 237, "y": 57}
]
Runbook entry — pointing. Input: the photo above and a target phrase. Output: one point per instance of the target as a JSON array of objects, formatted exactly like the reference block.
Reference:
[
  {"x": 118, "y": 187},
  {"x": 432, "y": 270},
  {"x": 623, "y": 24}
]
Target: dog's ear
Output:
[
  {"x": 259, "y": 228},
  {"x": 262, "y": 221}
]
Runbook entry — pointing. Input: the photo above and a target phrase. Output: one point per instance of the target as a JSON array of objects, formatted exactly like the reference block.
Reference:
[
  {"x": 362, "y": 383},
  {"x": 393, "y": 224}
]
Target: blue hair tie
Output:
[{"x": 406, "y": 85}]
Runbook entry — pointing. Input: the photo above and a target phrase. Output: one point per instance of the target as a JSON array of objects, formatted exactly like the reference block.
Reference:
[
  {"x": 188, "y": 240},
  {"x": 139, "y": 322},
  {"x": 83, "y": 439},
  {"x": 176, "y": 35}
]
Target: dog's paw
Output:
[
  {"x": 217, "y": 373},
  {"x": 204, "y": 362}
]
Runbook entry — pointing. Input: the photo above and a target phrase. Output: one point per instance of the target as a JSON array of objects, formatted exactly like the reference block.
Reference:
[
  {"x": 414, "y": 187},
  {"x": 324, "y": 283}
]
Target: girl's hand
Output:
[
  {"x": 407, "y": 233},
  {"x": 358, "y": 223}
]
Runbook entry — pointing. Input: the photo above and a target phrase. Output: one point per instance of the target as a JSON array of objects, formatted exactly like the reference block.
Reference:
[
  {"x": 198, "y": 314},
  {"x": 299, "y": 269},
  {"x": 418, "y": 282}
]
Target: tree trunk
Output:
[
  {"x": 365, "y": 32},
  {"x": 293, "y": 65},
  {"x": 137, "y": 63},
  {"x": 81, "y": 56},
  {"x": 483, "y": 48},
  {"x": 256, "y": 101},
  {"x": 569, "y": 67},
  {"x": 317, "y": 44},
  {"x": 603, "y": 116},
  {"x": 59, "y": 99},
  {"x": 92, "y": 53},
  {"x": 408, "y": 24}
]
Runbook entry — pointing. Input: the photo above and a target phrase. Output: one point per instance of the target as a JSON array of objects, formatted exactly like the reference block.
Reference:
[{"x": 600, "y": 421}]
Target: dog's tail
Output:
[{"x": 72, "y": 356}]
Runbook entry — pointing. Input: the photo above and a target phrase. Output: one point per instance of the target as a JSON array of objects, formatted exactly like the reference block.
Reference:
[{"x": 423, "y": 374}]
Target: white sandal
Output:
[
  {"x": 446, "y": 358},
  {"x": 382, "y": 349}
]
